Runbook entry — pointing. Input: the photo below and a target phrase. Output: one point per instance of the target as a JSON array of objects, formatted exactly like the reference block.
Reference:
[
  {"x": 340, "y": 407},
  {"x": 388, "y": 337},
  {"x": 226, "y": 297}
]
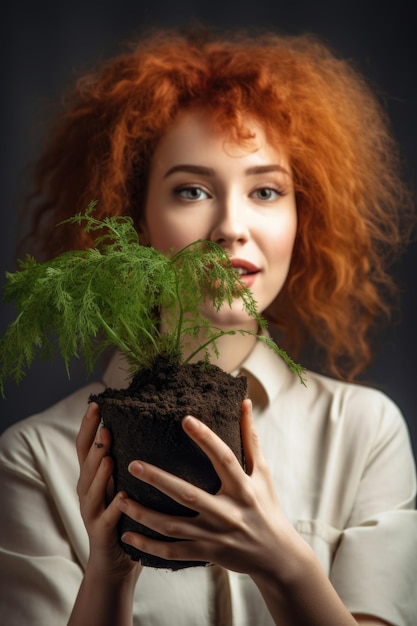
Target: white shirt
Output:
[{"x": 342, "y": 464}]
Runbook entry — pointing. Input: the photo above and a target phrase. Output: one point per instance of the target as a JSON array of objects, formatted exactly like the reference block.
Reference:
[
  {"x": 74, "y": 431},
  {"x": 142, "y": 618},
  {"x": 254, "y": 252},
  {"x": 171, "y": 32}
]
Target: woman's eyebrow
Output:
[
  {"x": 266, "y": 169},
  {"x": 191, "y": 169},
  {"x": 209, "y": 171}
]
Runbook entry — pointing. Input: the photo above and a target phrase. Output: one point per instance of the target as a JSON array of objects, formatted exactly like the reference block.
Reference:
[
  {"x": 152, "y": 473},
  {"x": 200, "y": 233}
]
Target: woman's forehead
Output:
[{"x": 248, "y": 133}]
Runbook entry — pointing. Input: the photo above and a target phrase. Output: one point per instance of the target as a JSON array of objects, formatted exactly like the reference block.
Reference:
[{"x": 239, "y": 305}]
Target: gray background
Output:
[{"x": 46, "y": 44}]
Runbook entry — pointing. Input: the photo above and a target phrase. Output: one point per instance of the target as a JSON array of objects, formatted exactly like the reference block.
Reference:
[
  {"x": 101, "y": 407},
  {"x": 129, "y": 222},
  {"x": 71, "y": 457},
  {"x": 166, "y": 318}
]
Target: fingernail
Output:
[
  {"x": 98, "y": 443},
  {"x": 135, "y": 468},
  {"x": 192, "y": 423}
]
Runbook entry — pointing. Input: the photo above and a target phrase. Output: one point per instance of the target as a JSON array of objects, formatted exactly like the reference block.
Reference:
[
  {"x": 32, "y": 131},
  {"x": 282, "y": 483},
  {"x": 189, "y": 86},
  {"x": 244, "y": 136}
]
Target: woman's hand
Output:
[
  {"x": 241, "y": 528},
  {"x": 106, "y": 593},
  {"x": 100, "y": 517}
]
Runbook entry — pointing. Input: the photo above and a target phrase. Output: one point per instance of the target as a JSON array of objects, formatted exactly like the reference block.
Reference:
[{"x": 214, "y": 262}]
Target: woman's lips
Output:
[{"x": 247, "y": 271}]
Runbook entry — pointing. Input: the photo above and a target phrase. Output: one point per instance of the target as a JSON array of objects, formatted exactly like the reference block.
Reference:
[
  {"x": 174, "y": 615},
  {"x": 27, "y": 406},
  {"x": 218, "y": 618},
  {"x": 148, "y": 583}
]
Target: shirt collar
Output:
[{"x": 267, "y": 374}]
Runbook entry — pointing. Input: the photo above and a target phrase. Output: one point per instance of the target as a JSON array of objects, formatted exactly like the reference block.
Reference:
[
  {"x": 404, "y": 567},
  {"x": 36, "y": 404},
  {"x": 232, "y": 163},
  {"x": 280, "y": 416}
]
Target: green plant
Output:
[{"x": 84, "y": 301}]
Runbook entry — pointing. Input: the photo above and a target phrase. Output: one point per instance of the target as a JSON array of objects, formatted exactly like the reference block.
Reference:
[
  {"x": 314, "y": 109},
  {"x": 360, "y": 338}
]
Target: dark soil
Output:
[{"x": 145, "y": 423}]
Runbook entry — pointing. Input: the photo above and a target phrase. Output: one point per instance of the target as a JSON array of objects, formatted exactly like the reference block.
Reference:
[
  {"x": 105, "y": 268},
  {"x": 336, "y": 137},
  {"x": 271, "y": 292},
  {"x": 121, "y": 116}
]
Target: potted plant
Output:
[{"x": 111, "y": 295}]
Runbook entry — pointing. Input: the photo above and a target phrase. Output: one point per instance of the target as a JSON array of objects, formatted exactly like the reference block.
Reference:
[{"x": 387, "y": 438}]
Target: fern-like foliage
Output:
[{"x": 111, "y": 295}]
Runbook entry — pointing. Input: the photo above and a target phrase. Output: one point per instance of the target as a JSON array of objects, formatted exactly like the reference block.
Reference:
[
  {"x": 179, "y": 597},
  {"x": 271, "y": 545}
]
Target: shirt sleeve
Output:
[
  {"x": 39, "y": 542},
  {"x": 375, "y": 565}
]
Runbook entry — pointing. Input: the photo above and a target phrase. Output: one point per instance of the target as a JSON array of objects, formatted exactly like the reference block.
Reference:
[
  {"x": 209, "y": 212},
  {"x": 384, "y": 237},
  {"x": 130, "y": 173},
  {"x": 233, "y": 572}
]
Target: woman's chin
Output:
[{"x": 229, "y": 318}]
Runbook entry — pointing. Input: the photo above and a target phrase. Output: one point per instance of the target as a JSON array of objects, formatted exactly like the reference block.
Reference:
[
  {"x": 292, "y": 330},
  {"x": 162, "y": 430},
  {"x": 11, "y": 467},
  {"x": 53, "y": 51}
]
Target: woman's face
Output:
[{"x": 202, "y": 185}]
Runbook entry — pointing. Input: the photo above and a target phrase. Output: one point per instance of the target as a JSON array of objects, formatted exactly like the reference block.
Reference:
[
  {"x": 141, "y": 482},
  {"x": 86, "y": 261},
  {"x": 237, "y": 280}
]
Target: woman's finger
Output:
[
  {"x": 250, "y": 440},
  {"x": 169, "y": 550},
  {"x": 99, "y": 442},
  {"x": 87, "y": 432},
  {"x": 168, "y": 525},
  {"x": 222, "y": 457},
  {"x": 176, "y": 488},
  {"x": 95, "y": 503}
]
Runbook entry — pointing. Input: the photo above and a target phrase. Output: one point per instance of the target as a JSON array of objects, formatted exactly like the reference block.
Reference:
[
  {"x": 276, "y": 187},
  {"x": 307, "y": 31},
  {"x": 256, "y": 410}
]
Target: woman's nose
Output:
[{"x": 231, "y": 225}]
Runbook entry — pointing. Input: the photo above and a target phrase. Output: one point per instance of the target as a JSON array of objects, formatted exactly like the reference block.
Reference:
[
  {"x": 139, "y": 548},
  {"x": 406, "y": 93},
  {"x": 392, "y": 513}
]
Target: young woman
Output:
[{"x": 276, "y": 150}]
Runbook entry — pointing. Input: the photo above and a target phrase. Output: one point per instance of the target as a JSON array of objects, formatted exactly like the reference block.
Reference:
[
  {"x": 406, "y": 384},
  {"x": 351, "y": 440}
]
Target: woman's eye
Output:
[
  {"x": 192, "y": 193},
  {"x": 267, "y": 193}
]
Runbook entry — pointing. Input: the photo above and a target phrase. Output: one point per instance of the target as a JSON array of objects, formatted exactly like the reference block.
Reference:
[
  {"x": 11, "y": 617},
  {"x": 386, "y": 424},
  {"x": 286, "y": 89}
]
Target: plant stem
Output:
[
  {"x": 212, "y": 339},
  {"x": 115, "y": 338},
  {"x": 180, "y": 315}
]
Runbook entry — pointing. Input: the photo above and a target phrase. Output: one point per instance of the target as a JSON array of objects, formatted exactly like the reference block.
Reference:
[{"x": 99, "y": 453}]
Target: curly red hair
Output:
[{"x": 350, "y": 197}]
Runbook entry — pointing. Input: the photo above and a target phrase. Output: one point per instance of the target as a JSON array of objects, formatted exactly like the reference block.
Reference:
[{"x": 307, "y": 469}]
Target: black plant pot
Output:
[{"x": 145, "y": 424}]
